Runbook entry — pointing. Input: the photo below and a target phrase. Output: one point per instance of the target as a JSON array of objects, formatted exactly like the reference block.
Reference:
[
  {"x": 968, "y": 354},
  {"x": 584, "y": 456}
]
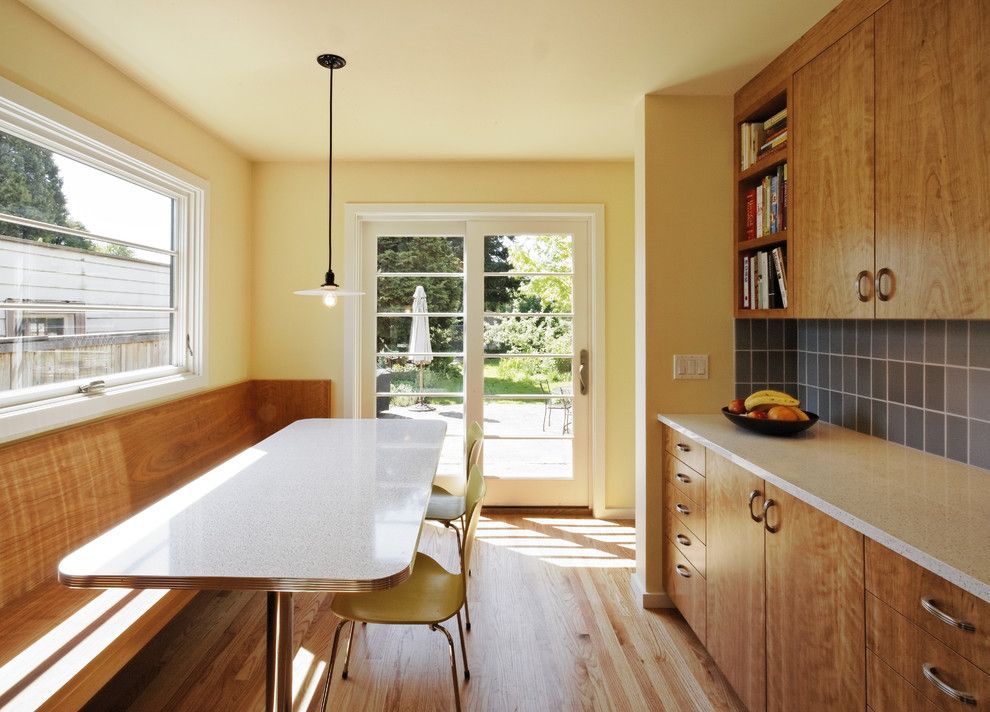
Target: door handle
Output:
[{"x": 583, "y": 372}]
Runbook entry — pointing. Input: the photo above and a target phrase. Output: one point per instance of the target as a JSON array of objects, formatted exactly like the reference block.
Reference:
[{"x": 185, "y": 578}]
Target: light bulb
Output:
[{"x": 330, "y": 300}]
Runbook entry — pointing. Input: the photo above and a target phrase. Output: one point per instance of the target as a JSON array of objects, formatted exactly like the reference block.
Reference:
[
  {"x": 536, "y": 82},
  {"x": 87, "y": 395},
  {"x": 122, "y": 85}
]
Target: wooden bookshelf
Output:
[{"x": 769, "y": 104}]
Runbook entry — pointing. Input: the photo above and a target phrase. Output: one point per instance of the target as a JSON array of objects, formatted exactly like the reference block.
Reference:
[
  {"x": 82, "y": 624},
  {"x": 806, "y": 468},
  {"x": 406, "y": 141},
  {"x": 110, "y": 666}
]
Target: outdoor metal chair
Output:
[{"x": 551, "y": 404}]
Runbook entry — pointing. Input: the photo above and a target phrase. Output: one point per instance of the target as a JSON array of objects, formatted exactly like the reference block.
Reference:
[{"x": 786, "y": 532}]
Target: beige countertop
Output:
[{"x": 933, "y": 511}]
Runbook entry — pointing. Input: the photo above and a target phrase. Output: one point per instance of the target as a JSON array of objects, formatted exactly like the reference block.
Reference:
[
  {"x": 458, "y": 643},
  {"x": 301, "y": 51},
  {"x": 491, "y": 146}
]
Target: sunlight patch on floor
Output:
[
  {"x": 563, "y": 552},
  {"x": 307, "y": 674}
]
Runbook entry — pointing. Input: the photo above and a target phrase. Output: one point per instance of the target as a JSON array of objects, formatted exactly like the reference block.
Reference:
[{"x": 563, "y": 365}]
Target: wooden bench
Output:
[{"x": 59, "y": 646}]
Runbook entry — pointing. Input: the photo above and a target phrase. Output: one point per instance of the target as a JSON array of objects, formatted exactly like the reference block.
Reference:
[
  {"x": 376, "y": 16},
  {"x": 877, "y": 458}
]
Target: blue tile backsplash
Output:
[{"x": 925, "y": 384}]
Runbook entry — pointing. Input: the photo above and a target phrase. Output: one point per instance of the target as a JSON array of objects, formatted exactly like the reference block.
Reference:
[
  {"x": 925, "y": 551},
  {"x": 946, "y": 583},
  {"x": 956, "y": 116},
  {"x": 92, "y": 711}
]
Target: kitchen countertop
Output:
[{"x": 933, "y": 511}]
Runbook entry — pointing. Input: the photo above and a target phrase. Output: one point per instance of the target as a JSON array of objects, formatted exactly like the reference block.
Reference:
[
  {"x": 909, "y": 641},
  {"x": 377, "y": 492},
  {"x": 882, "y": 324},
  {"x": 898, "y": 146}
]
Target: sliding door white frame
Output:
[{"x": 356, "y": 214}]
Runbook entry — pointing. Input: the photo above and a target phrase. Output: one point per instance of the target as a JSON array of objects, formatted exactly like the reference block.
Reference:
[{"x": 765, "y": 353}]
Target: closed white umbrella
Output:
[{"x": 420, "y": 349}]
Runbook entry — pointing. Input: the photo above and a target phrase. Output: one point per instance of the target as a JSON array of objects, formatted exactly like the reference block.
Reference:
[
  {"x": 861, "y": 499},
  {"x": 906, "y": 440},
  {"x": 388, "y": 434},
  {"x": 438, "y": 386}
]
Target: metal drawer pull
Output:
[
  {"x": 682, "y": 478},
  {"x": 683, "y": 571},
  {"x": 766, "y": 517},
  {"x": 682, "y": 509},
  {"x": 752, "y": 498},
  {"x": 681, "y": 447},
  {"x": 681, "y": 539},
  {"x": 931, "y": 672},
  {"x": 859, "y": 285},
  {"x": 929, "y": 605}
]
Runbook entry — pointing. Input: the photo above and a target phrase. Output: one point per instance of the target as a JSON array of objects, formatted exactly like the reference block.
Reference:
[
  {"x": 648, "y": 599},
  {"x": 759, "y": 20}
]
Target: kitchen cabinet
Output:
[
  {"x": 933, "y": 159},
  {"x": 833, "y": 249},
  {"x": 735, "y": 577},
  {"x": 815, "y": 612}
]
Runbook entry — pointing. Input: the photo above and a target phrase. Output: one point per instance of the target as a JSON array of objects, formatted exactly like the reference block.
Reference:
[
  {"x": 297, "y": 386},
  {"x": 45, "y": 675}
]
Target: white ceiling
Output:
[{"x": 432, "y": 79}]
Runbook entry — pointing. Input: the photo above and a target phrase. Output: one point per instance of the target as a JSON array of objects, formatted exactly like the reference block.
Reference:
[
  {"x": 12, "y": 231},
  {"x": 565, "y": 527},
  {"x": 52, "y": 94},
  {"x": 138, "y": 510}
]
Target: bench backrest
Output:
[{"x": 60, "y": 489}]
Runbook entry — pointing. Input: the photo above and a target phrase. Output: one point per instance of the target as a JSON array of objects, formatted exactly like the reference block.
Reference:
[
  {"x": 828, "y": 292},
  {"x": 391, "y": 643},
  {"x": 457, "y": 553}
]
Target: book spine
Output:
[
  {"x": 786, "y": 195},
  {"x": 743, "y": 146},
  {"x": 774, "y": 205},
  {"x": 771, "y": 283},
  {"x": 746, "y": 289},
  {"x": 751, "y": 213},
  {"x": 758, "y": 214},
  {"x": 778, "y": 261},
  {"x": 764, "y": 282},
  {"x": 766, "y": 205},
  {"x": 752, "y": 282}
]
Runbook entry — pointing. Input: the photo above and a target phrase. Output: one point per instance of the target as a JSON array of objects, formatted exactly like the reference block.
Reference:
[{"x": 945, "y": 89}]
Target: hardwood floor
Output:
[{"x": 554, "y": 627}]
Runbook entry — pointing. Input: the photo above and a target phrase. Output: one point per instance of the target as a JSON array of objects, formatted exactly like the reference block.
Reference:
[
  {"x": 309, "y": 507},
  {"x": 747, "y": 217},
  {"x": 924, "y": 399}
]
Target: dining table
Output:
[{"x": 323, "y": 505}]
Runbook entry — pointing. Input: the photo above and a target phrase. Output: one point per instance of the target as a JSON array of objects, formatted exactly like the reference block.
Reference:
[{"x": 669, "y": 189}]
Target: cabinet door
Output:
[
  {"x": 816, "y": 631},
  {"x": 933, "y": 157},
  {"x": 833, "y": 179},
  {"x": 735, "y": 577}
]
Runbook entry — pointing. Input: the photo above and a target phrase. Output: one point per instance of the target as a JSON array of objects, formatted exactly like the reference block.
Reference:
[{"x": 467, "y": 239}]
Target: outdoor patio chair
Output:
[{"x": 551, "y": 404}]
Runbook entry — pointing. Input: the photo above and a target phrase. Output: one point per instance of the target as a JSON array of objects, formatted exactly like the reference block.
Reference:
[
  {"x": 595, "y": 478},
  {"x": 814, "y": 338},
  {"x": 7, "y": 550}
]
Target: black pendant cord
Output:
[{"x": 329, "y": 275}]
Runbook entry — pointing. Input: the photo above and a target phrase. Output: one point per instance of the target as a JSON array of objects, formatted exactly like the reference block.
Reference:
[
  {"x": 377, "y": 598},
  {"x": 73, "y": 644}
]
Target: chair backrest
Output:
[
  {"x": 474, "y": 495},
  {"x": 544, "y": 384},
  {"x": 475, "y": 443}
]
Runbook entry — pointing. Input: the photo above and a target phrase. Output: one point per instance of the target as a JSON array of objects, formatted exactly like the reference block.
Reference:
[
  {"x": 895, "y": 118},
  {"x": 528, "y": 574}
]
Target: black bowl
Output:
[{"x": 771, "y": 427}]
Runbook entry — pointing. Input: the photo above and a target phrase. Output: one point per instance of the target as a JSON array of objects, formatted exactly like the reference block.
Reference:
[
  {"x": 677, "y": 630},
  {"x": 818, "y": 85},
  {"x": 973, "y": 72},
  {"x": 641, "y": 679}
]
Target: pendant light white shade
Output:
[{"x": 330, "y": 290}]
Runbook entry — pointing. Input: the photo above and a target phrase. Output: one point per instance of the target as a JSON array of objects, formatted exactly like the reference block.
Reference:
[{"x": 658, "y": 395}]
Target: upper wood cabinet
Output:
[
  {"x": 833, "y": 180},
  {"x": 933, "y": 158}
]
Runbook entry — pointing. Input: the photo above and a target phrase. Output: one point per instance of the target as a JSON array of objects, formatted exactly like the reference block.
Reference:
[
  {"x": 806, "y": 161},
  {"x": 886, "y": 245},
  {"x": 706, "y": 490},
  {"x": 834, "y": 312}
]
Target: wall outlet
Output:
[{"x": 690, "y": 366}]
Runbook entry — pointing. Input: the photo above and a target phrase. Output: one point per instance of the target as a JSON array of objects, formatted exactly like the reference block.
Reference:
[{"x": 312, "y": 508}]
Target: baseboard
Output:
[
  {"x": 650, "y": 600},
  {"x": 616, "y": 513}
]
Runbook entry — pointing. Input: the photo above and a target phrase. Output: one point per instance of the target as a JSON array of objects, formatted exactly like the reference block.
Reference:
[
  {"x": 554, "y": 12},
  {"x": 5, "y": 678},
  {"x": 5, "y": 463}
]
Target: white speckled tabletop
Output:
[
  {"x": 931, "y": 510},
  {"x": 322, "y": 505}
]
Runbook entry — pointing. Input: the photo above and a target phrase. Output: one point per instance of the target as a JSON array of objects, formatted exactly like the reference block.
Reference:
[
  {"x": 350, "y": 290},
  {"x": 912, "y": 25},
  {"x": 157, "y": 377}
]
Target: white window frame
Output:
[
  {"x": 32, "y": 410},
  {"x": 356, "y": 214}
]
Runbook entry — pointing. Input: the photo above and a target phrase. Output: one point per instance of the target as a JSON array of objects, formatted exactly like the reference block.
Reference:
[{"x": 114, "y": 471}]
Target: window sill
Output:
[{"x": 24, "y": 421}]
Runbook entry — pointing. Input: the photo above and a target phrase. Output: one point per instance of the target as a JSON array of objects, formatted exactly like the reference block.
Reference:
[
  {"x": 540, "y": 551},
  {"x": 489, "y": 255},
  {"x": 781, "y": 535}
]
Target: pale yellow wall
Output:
[
  {"x": 299, "y": 338},
  {"x": 40, "y": 58},
  {"x": 683, "y": 292}
]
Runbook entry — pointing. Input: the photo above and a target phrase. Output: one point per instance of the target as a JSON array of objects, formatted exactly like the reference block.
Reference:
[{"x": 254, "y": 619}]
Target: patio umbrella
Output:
[{"x": 420, "y": 349}]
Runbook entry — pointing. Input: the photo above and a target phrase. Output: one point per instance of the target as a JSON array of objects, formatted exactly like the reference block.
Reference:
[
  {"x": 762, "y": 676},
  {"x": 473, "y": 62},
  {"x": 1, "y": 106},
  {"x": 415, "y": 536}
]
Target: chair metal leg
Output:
[
  {"x": 464, "y": 529},
  {"x": 467, "y": 671},
  {"x": 467, "y": 613},
  {"x": 453, "y": 664},
  {"x": 347, "y": 652},
  {"x": 333, "y": 658}
]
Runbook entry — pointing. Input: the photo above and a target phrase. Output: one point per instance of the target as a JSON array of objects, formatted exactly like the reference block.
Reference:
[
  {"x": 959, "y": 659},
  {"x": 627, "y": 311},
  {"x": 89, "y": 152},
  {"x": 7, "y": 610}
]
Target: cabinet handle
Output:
[
  {"x": 929, "y": 605},
  {"x": 931, "y": 673},
  {"x": 682, "y": 509},
  {"x": 681, "y": 447},
  {"x": 682, "y": 478},
  {"x": 681, "y": 539},
  {"x": 682, "y": 570},
  {"x": 882, "y": 295},
  {"x": 752, "y": 498},
  {"x": 766, "y": 516},
  {"x": 859, "y": 285}
]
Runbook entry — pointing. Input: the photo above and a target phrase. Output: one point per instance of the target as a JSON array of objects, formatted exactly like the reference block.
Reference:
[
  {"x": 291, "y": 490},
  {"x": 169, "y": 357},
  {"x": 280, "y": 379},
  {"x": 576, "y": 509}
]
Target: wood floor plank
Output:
[{"x": 555, "y": 627}]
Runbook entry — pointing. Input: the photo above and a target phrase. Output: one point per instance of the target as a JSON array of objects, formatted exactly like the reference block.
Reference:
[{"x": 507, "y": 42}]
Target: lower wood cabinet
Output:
[{"x": 780, "y": 604}]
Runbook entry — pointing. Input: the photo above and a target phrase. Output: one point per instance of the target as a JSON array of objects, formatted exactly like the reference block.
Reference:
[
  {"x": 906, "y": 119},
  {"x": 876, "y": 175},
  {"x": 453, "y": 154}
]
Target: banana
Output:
[
  {"x": 801, "y": 414},
  {"x": 769, "y": 398}
]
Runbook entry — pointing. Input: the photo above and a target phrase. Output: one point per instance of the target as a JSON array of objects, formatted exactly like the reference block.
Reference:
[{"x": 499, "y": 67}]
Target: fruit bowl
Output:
[{"x": 771, "y": 427}]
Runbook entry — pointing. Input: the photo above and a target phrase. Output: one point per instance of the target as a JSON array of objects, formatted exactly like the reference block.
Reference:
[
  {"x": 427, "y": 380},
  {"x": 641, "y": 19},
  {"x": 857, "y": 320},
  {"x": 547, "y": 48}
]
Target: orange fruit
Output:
[{"x": 782, "y": 412}]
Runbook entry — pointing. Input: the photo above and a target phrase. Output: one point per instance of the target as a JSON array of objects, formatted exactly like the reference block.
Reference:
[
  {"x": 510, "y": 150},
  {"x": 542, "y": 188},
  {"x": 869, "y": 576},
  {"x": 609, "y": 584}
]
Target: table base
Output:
[{"x": 278, "y": 691}]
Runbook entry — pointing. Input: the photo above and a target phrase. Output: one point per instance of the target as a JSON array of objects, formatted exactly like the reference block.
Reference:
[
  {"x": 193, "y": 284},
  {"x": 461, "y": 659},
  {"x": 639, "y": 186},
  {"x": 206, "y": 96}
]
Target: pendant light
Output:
[{"x": 330, "y": 290}]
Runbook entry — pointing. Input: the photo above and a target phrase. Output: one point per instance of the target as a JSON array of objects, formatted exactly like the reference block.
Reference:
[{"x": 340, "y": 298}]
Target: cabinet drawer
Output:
[
  {"x": 686, "y": 588},
  {"x": 886, "y": 691},
  {"x": 684, "y": 449},
  {"x": 686, "y": 541},
  {"x": 691, "y": 513},
  {"x": 687, "y": 480},
  {"x": 903, "y": 584},
  {"x": 908, "y": 650}
]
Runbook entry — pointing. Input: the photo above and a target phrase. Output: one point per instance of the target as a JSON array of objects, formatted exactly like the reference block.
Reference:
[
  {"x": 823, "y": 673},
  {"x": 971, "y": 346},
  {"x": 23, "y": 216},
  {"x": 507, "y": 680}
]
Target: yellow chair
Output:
[
  {"x": 447, "y": 507},
  {"x": 430, "y": 596}
]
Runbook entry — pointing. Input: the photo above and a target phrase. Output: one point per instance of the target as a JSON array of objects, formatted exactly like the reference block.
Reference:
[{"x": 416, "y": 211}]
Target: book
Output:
[
  {"x": 778, "y": 261},
  {"x": 785, "y": 192},
  {"x": 745, "y": 294},
  {"x": 752, "y": 282},
  {"x": 779, "y": 118},
  {"x": 751, "y": 213},
  {"x": 774, "y": 205},
  {"x": 743, "y": 146},
  {"x": 771, "y": 283},
  {"x": 768, "y": 146},
  {"x": 763, "y": 271},
  {"x": 758, "y": 213},
  {"x": 766, "y": 205}
]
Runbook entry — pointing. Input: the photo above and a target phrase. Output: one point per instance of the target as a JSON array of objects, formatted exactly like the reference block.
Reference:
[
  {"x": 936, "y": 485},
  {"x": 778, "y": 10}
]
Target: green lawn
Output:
[{"x": 498, "y": 381}]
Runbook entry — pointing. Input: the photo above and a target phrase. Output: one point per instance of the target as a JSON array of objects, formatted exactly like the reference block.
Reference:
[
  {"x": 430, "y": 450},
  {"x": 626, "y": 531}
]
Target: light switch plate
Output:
[{"x": 690, "y": 366}]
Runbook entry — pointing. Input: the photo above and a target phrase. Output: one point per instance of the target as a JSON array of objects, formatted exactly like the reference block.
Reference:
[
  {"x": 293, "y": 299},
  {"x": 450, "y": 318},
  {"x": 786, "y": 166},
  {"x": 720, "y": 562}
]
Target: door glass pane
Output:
[
  {"x": 529, "y": 459},
  {"x": 528, "y": 335},
  {"x": 547, "y": 294},
  {"x": 443, "y": 294},
  {"x": 527, "y": 375},
  {"x": 446, "y": 334},
  {"x": 529, "y": 253},
  {"x": 449, "y": 410},
  {"x": 416, "y": 253},
  {"x": 405, "y": 374}
]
